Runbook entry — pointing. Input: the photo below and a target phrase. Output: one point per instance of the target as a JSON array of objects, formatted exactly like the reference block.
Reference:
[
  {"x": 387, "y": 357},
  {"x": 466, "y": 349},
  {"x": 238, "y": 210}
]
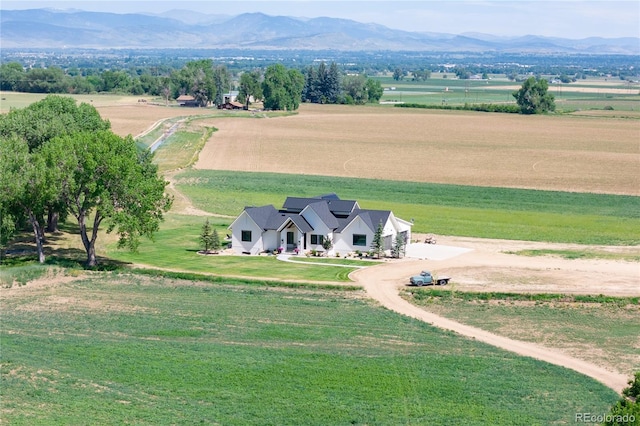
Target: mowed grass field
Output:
[
  {"x": 565, "y": 153},
  {"x": 117, "y": 348}
]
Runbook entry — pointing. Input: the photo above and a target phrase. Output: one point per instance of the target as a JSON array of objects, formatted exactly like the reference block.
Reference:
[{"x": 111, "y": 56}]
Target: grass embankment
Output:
[
  {"x": 503, "y": 213},
  {"x": 599, "y": 329},
  {"x": 578, "y": 254},
  {"x": 117, "y": 349}
]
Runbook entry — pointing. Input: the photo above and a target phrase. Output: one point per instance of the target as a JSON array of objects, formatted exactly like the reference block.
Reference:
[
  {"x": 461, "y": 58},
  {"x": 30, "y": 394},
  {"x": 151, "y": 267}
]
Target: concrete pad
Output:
[{"x": 433, "y": 251}]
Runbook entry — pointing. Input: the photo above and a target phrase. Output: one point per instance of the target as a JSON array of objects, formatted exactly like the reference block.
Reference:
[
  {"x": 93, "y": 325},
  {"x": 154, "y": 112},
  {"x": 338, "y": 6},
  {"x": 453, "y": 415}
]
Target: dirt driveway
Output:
[{"x": 485, "y": 267}]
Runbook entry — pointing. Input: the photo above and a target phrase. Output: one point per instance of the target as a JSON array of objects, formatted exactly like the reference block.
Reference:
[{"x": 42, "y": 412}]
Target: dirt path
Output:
[{"x": 383, "y": 282}]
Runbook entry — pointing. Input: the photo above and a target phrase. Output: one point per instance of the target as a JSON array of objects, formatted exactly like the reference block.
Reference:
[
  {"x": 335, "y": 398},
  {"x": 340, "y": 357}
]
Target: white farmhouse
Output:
[{"x": 304, "y": 224}]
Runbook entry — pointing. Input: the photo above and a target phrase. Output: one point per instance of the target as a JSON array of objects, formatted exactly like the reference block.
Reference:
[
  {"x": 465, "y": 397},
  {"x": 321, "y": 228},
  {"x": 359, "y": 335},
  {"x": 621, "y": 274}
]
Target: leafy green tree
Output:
[
  {"x": 11, "y": 74},
  {"x": 7, "y": 228},
  {"x": 377, "y": 243},
  {"x": 115, "y": 81},
  {"x": 250, "y": 87},
  {"x": 196, "y": 78},
  {"x": 282, "y": 88},
  {"x": 46, "y": 119},
  {"x": 626, "y": 410},
  {"x": 533, "y": 97},
  {"x": 24, "y": 187},
  {"x": 374, "y": 90},
  {"x": 633, "y": 391},
  {"x": 355, "y": 89},
  {"x": 50, "y": 117},
  {"x": 421, "y": 75},
  {"x": 398, "y": 74},
  {"x": 106, "y": 178}
]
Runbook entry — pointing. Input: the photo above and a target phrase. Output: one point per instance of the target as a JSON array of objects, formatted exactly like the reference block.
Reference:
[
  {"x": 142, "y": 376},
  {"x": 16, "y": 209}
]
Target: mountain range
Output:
[{"x": 46, "y": 28}]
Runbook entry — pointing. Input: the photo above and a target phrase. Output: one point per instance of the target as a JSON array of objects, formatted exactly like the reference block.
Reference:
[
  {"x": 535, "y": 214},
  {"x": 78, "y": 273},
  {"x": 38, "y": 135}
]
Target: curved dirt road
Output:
[{"x": 382, "y": 283}]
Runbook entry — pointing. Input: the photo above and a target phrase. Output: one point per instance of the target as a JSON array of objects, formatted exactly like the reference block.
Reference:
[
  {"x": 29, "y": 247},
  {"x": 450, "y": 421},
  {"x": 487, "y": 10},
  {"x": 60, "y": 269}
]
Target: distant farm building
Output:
[{"x": 187, "y": 101}]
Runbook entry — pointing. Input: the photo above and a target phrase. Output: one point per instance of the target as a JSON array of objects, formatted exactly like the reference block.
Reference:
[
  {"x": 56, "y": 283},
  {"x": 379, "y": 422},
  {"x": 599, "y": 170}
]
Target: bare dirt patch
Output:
[
  {"x": 383, "y": 282},
  {"x": 583, "y": 154},
  {"x": 134, "y": 119}
]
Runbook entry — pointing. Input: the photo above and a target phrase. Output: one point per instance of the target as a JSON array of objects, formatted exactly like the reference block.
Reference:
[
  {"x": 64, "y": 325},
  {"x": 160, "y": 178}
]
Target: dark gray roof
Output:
[
  {"x": 301, "y": 223},
  {"x": 335, "y": 213},
  {"x": 268, "y": 218},
  {"x": 336, "y": 206},
  {"x": 332, "y": 196},
  {"x": 370, "y": 217},
  {"x": 322, "y": 210},
  {"x": 261, "y": 215}
]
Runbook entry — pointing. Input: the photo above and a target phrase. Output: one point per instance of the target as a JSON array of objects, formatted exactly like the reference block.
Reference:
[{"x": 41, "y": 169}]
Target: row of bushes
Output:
[{"x": 505, "y": 108}]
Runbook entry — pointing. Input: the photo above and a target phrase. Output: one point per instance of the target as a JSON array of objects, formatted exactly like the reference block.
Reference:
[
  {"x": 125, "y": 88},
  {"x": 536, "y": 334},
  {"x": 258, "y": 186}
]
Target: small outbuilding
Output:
[{"x": 187, "y": 101}]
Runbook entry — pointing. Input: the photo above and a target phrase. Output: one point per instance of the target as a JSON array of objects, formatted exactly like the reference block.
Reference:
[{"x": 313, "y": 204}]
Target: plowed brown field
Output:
[{"x": 583, "y": 154}]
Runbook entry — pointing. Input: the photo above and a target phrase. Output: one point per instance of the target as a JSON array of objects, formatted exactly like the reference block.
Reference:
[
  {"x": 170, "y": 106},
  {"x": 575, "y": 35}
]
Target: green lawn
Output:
[
  {"x": 176, "y": 247},
  {"x": 128, "y": 349},
  {"x": 504, "y": 213}
]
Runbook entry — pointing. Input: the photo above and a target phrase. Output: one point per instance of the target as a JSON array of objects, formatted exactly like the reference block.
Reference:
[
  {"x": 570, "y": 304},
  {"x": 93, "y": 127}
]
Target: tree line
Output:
[
  {"x": 279, "y": 87},
  {"x": 60, "y": 160}
]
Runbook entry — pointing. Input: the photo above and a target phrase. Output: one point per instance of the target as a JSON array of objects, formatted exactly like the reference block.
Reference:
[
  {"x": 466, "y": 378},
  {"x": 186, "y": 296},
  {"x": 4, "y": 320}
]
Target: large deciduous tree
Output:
[
  {"x": 282, "y": 88},
  {"x": 533, "y": 97},
  {"x": 26, "y": 187},
  {"x": 197, "y": 79},
  {"x": 250, "y": 87},
  {"x": 106, "y": 178},
  {"x": 355, "y": 89},
  {"x": 44, "y": 120}
]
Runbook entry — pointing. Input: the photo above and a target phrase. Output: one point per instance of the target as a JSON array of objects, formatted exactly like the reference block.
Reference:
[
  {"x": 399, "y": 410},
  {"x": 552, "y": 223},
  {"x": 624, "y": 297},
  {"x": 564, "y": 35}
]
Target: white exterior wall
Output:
[
  {"x": 343, "y": 242},
  {"x": 245, "y": 223},
  {"x": 319, "y": 228},
  {"x": 270, "y": 240}
]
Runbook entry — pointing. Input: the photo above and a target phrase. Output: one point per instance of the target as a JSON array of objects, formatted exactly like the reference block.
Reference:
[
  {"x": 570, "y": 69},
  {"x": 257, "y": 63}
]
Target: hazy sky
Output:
[{"x": 568, "y": 18}]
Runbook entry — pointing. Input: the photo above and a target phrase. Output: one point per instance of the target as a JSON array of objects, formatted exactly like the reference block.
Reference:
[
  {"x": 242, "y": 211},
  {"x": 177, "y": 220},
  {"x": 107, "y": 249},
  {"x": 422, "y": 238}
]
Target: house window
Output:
[
  {"x": 359, "y": 240},
  {"x": 246, "y": 235},
  {"x": 317, "y": 239}
]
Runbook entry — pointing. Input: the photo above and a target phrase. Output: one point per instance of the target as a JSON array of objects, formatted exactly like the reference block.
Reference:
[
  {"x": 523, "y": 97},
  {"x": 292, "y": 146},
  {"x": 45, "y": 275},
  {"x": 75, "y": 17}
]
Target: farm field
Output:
[
  {"x": 446, "y": 89},
  {"x": 114, "y": 341},
  {"x": 122, "y": 348},
  {"x": 600, "y": 331},
  {"x": 565, "y": 153}
]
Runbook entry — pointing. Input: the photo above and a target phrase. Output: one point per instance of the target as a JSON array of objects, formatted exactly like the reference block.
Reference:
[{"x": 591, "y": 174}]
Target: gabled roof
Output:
[
  {"x": 370, "y": 217},
  {"x": 298, "y": 221},
  {"x": 321, "y": 208},
  {"x": 262, "y": 216},
  {"x": 336, "y": 206},
  {"x": 268, "y": 218}
]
